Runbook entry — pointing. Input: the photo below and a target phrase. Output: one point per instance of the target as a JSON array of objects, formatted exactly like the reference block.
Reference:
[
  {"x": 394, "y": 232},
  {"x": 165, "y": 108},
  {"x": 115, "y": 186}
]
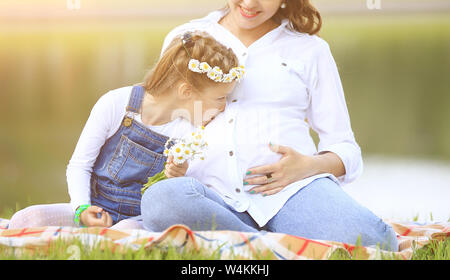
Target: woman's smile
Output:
[
  {"x": 252, "y": 15},
  {"x": 248, "y": 13}
]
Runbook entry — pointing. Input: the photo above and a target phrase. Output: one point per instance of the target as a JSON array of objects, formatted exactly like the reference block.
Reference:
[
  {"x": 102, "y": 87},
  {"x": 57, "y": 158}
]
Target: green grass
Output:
[
  {"x": 6, "y": 213},
  {"x": 433, "y": 251},
  {"x": 74, "y": 249}
]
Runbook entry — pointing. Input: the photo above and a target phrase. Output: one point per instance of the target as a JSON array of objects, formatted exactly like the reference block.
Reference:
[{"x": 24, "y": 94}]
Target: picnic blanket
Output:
[{"x": 228, "y": 244}]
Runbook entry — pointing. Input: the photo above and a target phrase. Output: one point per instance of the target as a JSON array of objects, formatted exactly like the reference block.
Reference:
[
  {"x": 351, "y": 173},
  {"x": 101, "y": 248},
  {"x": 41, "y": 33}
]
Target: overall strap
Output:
[{"x": 137, "y": 95}]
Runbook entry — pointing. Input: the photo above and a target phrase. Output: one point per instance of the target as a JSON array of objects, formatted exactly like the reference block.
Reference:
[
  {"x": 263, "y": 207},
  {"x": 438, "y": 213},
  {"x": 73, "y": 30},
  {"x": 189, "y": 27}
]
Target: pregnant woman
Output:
[{"x": 263, "y": 170}]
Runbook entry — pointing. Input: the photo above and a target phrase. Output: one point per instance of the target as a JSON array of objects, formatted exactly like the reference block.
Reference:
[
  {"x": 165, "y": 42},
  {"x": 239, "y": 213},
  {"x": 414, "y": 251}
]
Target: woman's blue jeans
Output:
[{"x": 321, "y": 210}]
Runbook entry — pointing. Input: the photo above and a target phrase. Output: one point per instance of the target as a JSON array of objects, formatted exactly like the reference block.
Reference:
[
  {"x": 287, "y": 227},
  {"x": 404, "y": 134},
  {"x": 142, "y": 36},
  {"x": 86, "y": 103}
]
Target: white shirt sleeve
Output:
[
  {"x": 102, "y": 123},
  {"x": 329, "y": 117}
]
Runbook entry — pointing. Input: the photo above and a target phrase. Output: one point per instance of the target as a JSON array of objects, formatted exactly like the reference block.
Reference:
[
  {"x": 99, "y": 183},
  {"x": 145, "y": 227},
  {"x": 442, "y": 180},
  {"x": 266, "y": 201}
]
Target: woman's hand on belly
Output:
[
  {"x": 273, "y": 178},
  {"x": 292, "y": 167}
]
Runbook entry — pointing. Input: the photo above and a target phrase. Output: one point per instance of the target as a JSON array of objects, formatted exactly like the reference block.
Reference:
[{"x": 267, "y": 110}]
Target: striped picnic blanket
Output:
[{"x": 229, "y": 244}]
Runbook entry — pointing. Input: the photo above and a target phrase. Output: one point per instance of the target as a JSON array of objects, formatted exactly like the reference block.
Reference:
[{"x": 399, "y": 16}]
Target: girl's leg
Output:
[
  {"x": 322, "y": 210},
  {"x": 185, "y": 200},
  {"x": 128, "y": 224},
  {"x": 43, "y": 215}
]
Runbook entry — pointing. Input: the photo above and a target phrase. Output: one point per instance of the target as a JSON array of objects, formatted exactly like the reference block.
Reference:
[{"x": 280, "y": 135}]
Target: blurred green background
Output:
[{"x": 55, "y": 62}]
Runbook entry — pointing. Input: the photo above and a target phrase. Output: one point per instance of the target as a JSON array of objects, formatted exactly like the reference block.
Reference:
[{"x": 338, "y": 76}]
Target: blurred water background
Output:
[{"x": 57, "y": 57}]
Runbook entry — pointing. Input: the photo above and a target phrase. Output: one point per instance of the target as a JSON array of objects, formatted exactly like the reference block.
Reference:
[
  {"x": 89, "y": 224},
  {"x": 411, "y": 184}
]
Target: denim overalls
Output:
[{"x": 125, "y": 162}]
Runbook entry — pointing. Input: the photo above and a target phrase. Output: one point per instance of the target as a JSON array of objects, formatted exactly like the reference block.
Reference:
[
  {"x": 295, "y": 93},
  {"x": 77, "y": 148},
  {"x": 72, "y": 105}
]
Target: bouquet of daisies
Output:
[{"x": 188, "y": 148}]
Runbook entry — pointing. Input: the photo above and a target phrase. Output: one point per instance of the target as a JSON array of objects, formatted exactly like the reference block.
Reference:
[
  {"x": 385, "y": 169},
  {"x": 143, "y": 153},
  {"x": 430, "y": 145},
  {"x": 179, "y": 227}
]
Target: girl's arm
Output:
[{"x": 103, "y": 121}]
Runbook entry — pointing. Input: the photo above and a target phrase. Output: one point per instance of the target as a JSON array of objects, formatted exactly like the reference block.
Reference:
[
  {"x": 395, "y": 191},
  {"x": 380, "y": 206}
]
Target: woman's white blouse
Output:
[{"x": 291, "y": 83}]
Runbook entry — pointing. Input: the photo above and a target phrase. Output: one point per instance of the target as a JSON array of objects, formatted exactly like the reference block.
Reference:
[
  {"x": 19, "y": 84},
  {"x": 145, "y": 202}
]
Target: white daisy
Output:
[
  {"x": 188, "y": 153},
  {"x": 234, "y": 72},
  {"x": 204, "y": 67},
  {"x": 215, "y": 74},
  {"x": 179, "y": 159},
  {"x": 238, "y": 73},
  {"x": 194, "y": 65},
  {"x": 227, "y": 78},
  {"x": 176, "y": 150}
]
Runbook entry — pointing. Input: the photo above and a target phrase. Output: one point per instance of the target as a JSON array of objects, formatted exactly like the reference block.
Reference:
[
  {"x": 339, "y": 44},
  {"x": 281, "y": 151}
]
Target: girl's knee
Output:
[
  {"x": 31, "y": 216},
  {"x": 128, "y": 224},
  {"x": 43, "y": 215}
]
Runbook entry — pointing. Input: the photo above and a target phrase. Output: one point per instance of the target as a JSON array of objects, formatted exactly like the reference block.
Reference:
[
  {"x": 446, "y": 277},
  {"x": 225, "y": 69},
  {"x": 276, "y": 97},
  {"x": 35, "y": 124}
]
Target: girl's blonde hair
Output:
[{"x": 173, "y": 65}]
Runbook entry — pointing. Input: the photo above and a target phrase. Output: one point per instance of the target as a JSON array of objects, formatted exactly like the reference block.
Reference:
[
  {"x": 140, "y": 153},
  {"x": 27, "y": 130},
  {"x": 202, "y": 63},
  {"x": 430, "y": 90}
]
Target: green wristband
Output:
[{"x": 78, "y": 212}]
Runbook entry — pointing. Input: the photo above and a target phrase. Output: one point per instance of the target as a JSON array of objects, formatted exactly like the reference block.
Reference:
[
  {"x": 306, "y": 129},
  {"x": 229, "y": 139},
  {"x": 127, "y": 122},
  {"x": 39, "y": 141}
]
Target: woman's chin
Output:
[{"x": 248, "y": 26}]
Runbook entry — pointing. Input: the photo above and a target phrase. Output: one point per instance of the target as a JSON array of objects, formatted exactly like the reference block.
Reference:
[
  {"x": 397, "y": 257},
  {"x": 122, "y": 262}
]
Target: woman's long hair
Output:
[{"x": 302, "y": 15}]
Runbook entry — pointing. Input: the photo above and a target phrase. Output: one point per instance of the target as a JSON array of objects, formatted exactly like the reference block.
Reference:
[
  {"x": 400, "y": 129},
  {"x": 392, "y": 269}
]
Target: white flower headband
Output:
[{"x": 214, "y": 73}]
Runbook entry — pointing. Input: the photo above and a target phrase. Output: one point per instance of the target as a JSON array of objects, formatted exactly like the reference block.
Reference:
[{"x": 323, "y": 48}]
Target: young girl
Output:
[{"x": 123, "y": 140}]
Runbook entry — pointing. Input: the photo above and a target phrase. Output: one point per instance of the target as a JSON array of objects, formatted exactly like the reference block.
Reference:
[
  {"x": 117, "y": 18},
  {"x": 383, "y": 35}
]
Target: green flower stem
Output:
[{"x": 154, "y": 179}]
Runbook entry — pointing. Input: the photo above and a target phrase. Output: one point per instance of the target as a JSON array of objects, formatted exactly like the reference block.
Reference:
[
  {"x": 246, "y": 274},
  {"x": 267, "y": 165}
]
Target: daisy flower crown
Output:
[{"x": 214, "y": 73}]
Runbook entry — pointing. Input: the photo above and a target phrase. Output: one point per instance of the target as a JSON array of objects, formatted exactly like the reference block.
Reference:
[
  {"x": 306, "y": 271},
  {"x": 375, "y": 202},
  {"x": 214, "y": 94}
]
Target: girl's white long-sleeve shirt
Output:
[
  {"x": 104, "y": 121},
  {"x": 291, "y": 84}
]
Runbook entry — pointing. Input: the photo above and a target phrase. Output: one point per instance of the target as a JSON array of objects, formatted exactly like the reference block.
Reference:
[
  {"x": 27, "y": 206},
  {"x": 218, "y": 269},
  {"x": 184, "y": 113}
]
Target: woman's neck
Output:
[{"x": 247, "y": 36}]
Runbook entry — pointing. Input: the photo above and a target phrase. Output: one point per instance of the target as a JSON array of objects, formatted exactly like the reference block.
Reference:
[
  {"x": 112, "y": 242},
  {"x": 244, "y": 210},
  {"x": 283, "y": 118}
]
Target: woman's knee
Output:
[
  {"x": 166, "y": 198},
  {"x": 172, "y": 190},
  {"x": 166, "y": 189}
]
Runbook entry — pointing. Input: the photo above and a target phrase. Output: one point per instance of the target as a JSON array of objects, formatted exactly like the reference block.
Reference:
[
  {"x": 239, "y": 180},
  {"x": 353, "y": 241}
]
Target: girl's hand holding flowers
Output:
[
  {"x": 173, "y": 170},
  {"x": 187, "y": 148}
]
